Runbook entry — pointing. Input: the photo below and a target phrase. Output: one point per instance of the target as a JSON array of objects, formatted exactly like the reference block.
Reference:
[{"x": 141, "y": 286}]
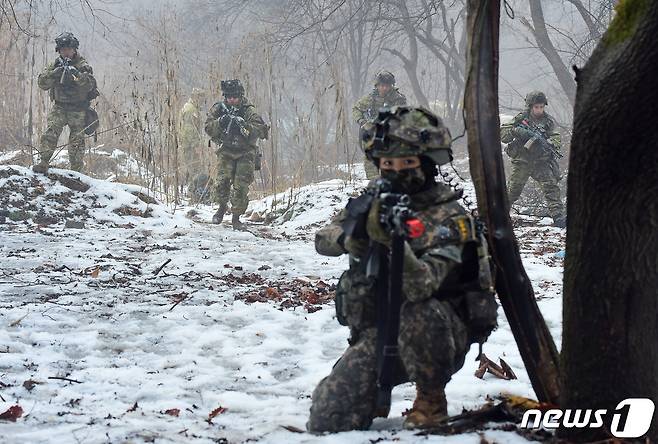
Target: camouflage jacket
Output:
[
  {"x": 438, "y": 251},
  {"x": 236, "y": 145},
  {"x": 190, "y": 125},
  {"x": 516, "y": 142},
  {"x": 75, "y": 93},
  {"x": 366, "y": 107}
]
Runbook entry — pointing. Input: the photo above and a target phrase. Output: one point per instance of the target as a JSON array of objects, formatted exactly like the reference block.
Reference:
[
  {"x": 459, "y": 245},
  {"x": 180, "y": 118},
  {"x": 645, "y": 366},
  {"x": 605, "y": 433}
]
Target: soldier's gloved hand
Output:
[
  {"x": 58, "y": 62},
  {"x": 356, "y": 247},
  {"x": 225, "y": 120},
  {"x": 74, "y": 71},
  {"x": 523, "y": 133},
  {"x": 374, "y": 228}
]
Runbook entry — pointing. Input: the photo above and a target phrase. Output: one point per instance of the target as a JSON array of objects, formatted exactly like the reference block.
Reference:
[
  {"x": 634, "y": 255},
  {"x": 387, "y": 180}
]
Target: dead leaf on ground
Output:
[
  {"x": 171, "y": 412},
  {"x": 218, "y": 411},
  {"x": 12, "y": 414},
  {"x": 95, "y": 272},
  {"x": 272, "y": 293},
  {"x": 133, "y": 408},
  {"x": 29, "y": 384}
]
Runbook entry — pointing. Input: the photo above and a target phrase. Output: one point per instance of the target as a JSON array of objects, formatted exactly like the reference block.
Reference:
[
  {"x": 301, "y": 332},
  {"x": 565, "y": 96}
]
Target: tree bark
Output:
[
  {"x": 514, "y": 289},
  {"x": 610, "y": 328}
]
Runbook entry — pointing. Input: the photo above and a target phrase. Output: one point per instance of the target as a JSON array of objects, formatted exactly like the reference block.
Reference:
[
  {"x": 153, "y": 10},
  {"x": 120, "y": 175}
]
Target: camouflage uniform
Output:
[
  {"x": 236, "y": 153},
  {"x": 191, "y": 138},
  {"x": 365, "y": 109},
  {"x": 534, "y": 161},
  {"x": 71, "y": 98},
  {"x": 433, "y": 337}
]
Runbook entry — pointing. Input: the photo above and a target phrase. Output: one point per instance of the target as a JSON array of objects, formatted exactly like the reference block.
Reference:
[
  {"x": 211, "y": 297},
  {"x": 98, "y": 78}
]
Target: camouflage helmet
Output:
[
  {"x": 232, "y": 88},
  {"x": 403, "y": 131},
  {"x": 535, "y": 97},
  {"x": 384, "y": 77},
  {"x": 66, "y": 40}
]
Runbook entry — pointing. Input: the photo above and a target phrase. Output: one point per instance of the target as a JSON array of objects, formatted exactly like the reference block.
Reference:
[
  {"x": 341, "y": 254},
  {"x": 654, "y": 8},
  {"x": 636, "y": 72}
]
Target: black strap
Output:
[{"x": 389, "y": 302}]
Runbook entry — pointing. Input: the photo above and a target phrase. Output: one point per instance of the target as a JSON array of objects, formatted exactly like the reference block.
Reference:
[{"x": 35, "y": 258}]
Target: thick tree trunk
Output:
[
  {"x": 610, "y": 336},
  {"x": 514, "y": 289}
]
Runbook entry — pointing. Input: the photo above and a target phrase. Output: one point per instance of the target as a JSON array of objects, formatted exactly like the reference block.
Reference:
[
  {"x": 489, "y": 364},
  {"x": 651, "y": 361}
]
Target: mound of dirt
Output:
[{"x": 66, "y": 199}]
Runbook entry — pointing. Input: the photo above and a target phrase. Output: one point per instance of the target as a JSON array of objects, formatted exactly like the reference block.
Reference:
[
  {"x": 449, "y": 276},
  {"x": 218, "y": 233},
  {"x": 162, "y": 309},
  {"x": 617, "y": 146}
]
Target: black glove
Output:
[
  {"x": 225, "y": 120},
  {"x": 59, "y": 62}
]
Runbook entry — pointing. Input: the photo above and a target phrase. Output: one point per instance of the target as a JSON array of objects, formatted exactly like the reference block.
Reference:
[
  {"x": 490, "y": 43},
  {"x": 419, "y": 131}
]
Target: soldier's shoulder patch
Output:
[{"x": 456, "y": 229}]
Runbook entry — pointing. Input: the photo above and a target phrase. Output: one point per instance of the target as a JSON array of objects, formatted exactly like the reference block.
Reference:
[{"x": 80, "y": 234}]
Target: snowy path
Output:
[{"x": 85, "y": 305}]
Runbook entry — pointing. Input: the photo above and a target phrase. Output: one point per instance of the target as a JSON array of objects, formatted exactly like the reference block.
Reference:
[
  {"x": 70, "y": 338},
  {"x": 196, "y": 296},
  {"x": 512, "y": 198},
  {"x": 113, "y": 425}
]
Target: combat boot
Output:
[
  {"x": 237, "y": 225},
  {"x": 40, "y": 168},
  {"x": 429, "y": 409},
  {"x": 219, "y": 216}
]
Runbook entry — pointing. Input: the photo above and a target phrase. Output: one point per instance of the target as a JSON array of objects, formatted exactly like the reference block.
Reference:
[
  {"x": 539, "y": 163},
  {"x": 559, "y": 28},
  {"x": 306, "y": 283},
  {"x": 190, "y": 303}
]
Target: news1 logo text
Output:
[{"x": 630, "y": 419}]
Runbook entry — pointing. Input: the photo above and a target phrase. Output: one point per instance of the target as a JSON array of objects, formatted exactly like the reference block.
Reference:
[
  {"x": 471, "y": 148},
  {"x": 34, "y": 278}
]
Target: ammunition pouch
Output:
[
  {"x": 354, "y": 299},
  {"x": 473, "y": 289},
  {"x": 91, "y": 121},
  {"x": 513, "y": 149},
  {"x": 480, "y": 313}
]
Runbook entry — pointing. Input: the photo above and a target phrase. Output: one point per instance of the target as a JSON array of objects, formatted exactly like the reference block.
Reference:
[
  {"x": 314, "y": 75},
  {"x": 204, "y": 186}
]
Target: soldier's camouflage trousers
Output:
[
  {"x": 432, "y": 342},
  {"x": 233, "y": 179},
  {"x": 546, "y": 173},
  {"x": 189, "y": 161},
  {"x": 58, "y": 118}
]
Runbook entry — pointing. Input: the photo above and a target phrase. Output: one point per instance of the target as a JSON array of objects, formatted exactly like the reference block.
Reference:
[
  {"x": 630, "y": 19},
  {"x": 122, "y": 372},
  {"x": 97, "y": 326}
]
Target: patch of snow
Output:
[{"x": 87, "y": 305}]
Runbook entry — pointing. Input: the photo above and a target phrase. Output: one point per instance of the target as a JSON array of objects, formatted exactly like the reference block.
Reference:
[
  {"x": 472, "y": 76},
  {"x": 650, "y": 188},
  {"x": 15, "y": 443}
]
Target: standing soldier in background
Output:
[
  {"x": 533, "y": 144},
  {"x": 234, "y": 125},
  {"x": 71, "y": 85},
  {"x": 190, "y": 158},
  {"x": 384, "y": 95}
]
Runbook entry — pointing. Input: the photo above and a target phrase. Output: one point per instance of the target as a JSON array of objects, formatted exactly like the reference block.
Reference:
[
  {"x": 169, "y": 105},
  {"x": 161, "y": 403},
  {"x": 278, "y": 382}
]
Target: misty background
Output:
[{"x": 303, "y": 62}]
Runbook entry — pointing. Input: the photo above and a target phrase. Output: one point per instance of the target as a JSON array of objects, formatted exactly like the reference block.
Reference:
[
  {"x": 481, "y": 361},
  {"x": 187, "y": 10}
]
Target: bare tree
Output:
[{"x": 577, "y": 48}]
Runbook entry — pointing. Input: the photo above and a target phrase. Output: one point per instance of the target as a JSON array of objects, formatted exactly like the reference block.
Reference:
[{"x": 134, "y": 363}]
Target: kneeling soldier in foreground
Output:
[{"x": 418, "y": 291}]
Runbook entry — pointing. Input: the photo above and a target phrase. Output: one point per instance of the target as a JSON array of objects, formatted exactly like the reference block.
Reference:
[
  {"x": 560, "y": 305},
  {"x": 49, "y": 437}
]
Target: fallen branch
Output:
[
  {"x": 18, "y": 321},
  {"x": 64, "y": 379},
  {"x": 155, "y": 273},
  {"x": 178, "y": 302}
]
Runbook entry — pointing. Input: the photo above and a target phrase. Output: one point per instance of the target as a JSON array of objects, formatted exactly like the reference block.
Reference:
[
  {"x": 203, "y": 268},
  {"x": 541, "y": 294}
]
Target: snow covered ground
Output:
[{"x": 153, "y": 324}]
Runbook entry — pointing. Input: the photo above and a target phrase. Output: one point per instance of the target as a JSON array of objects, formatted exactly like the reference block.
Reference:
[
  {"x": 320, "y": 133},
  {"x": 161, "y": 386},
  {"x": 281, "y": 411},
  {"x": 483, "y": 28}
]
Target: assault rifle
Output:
[
  {"x": 539, "y": 135},
  {"x": 69, "y": 72},
  {"x": 234, "y": 121},
  {"x": 397, "y": 218},
  {"x": 371, "y": 113}
]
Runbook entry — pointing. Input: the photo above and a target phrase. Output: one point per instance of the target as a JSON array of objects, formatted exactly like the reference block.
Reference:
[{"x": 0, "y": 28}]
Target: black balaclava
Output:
[{"x": 412, "y": 180}]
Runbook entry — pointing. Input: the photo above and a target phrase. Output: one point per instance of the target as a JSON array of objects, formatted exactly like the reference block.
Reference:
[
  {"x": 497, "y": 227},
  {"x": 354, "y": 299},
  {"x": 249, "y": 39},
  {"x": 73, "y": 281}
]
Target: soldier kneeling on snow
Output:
[{"x": 446, "y": 302}]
